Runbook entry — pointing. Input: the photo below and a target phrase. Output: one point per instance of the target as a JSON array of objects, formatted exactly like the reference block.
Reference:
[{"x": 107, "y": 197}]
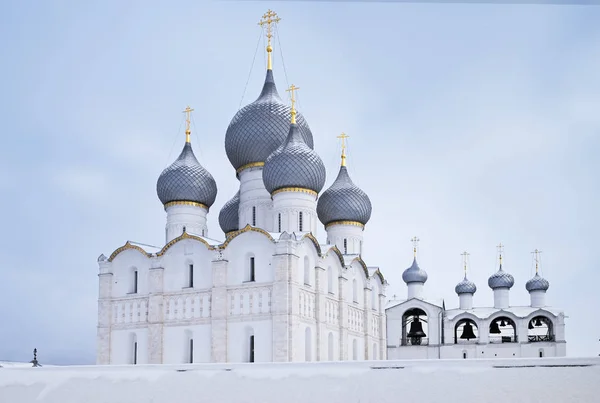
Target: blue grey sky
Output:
[{"x": 469, "y": 125}]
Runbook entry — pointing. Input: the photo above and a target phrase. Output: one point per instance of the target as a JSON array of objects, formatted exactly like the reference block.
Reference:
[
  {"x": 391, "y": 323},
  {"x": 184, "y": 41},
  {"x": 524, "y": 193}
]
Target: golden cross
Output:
[
  {"x": 500, "y": 250},
  {"x": 415, "y": 242},
  {"x": 343, "y": 136},
  {"x": 536, "y": 256},
  {"x": 188, "y": 131},
  {"x": 269, "y": 18},
  {"x": 465, "y": 254},
  {"x": 291, "y": 91}
]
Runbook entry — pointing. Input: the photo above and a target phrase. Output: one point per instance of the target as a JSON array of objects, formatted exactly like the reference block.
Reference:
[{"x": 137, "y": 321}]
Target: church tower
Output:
[
  {"x": 344, "y": 209},
  {"x": 187, "y": 190},
  {"x": 254, "y": 133},
  {"x": 294, "y": 175},
  {"x": 501, "y": 282}
]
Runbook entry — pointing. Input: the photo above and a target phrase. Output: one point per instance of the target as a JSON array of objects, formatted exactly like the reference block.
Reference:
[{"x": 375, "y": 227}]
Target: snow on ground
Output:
[{"x": 462, "y": 381}]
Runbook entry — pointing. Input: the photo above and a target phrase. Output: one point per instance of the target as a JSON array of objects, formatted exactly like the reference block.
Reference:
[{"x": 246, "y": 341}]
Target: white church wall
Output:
[
  {"x": 305, "y": 342},
  {"x": 238, "y": 340},
  {"x": 123, "y": 346},
  {"x": 190, "y": 217},
  {"x": 329, "y": 344},
  {"x": 176, "y": 344},
  {"x": 176, "y": 262},
  {"x": 256, "y": 207},
  {"x": 348, "y": 238},
  {"x": 287, "y": 207},
  {"x": 241, "y": 249},
  {"x": 123, "y": 267}
]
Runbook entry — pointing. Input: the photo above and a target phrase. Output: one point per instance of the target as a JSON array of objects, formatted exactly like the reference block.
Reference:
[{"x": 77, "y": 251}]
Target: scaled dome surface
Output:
[
  {"x": 466, "y": 286},
  {"x": 414, "y": 274},
  {"x": 260, "y": 127},
  {"x": 501, "y": 279},
  {"x": 344, "y": 201},
  {"x": 229, "y": 214},
  {"x": 186, "y": 180},
  {"x": 537, "y": 283},
  {"x": 294, "y": 165}
]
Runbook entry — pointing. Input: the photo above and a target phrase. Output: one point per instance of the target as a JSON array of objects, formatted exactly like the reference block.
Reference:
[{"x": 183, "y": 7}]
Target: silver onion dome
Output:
[
  {"x": 260, "y": 127},
  {"x": 344, "y": 201},
  {"x": 294, "y": 165},
  {"x": 414, "y": 274},
  {"x": 501, "y": 279},
  {"x": 229, "y": 214},
  {"x": 537, "y": 283},
  {"x": 466, "y": 286},
  {"x": 186, "y": 180}
]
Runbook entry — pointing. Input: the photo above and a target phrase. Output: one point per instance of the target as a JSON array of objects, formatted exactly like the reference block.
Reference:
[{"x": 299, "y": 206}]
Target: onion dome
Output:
[
  {"x": 501, "y": 279},
  {"x": 465, "y": 287},
  {"x": 229, "y": 214},
  {"x": 414, "y": 274},
  {"x": 294, "y": 165},
  {"x": 537, "y": 283},
  {"x": 260, "y": 127},
  {"x": 185, "y": 180},
  {"x": 344, "y": 201}
]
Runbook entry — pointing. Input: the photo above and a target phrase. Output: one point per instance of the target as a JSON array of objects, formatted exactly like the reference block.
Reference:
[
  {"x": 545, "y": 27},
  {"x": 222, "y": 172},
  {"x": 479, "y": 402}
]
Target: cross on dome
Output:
[
  {"x": 415, "y": 242},
  {"x": 269, "y": 19},
  {"x": 343, "y": 137},
  {"x": 293, "y": 99},
  {"x": 188, "y": 131}
]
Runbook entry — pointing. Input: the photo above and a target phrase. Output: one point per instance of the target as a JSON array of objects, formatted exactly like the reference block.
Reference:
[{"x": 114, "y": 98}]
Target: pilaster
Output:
[
  {"x": 320, "y": 302},
  {"x": 155, "y": 313},
  {"x": 343, "y": 318},
  {"x": 368, "y": 317},
  {"x": 382, "y": 327},
  {"x": 219, "y": 313}
]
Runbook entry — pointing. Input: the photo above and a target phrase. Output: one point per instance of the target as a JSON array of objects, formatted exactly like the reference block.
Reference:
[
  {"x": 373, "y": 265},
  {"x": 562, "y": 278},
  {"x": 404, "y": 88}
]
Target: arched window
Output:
[
  {"x": 190, "y": 275},
  {"x": 189, "y": 353},
  {"x": 354, "y": 350},
  {"x": 503, "y": 330},
  {"x": 466, "y": 331},
  {"x": 279, "y": 221},
  {"x": 330, "y": 346},
  {"x": 464, "y": 354},
  {"x": 300, "y": 221},
  {"x": 415, "y": 327},
  {"x": 307, "y": 344},
  {"x": 354, "y": 291},
  {"x": 306, "y": 271},
  {"x": 250, "y": 344},
  {"x": 251, "y": 270},
  {"x": 330, "y": 280},
  {"x": 540, "y": 329},
  {"x": 541, "y": 353},
  {"x": 134, "y": 348},
  {"x": 254, "y": 216},
  {"x": 134, "y": 280},
  {"x": 345, "y": 246}
]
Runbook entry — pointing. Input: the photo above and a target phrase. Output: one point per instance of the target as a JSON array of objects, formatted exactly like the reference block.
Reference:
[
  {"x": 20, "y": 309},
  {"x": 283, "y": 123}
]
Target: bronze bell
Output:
[
  {"x": 538, "y": 322},
  {"x": 530, "y": 326},
  {"x": 468, "y": 332},
  {"x": 494, "y": 329},
  {"x": 416, "y": 329},
  {"x": 502, "y": 323}
]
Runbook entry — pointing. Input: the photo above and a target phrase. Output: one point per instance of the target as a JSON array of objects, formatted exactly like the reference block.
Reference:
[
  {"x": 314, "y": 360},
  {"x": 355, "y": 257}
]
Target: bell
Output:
[
  {"x": 468, "y": 332},
  {"x": 530, "y": 325},
  {"x": 538, "y": 322},
  {"x": 494, "y": 329},
  {"x": 502, "y": 323},
  {"x": 416, "y": 329}
]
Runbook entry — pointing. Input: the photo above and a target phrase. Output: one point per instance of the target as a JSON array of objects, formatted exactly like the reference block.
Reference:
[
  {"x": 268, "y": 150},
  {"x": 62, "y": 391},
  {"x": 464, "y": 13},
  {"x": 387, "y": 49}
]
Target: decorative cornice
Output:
[
  {"x": 336, "y": 250},
  {"x": 314, "y": 241},
  {"x": 355, "y": 223},
  {"x": 250, "y": 165},
  {"x": 125, "y": 247},
  {"x": 363, "y": 265},
  {"x": 295, "y": 189},
  {"x": 247, "y": 228},
  {"x": 181, "y": 237},
  {"x": 186, "y": 203}
]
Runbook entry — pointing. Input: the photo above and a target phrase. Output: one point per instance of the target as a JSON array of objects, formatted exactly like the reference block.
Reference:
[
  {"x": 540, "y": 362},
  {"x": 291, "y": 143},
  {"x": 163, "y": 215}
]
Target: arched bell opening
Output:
[
  {"x": 503, "y": 330},
  {"x": 540, "y": 329},
  {"x": 414, "y": 328},
  {"x": 466, "y": 332}
]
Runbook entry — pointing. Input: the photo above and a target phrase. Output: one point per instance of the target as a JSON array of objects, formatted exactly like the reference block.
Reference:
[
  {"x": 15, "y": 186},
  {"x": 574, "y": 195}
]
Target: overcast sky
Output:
[{"x": 469, "y": 125}]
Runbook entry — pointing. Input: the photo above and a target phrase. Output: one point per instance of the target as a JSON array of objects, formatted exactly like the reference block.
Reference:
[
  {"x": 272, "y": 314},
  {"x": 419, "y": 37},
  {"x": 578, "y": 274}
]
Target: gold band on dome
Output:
[
  {"x": 355, "y": 223},
  {"x": 185, "y": 203},
  {"x": 292, "y": 189},
  {"x": 250, "y": 165}
]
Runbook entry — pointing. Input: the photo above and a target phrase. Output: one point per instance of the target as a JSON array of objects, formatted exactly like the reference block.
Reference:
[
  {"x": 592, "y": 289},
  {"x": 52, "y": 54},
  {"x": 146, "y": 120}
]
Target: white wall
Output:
[
  {"x": 176, "y": 263},
  {"x": 193, "y": 218},
  {"x": 176, "y": 343},
  {"x": 238, "y": 253},
  {"x": 238, "y": 340},
  {"x": 254, "y": 194},
  {"x": 122, "y": 268}
]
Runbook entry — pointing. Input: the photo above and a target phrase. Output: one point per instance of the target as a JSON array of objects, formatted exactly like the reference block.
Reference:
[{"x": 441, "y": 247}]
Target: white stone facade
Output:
[{"x": 257, "y": 296}]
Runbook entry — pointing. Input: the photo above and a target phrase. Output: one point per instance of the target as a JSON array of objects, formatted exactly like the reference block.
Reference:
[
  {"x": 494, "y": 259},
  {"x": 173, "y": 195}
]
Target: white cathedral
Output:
[{"x": 270, "y": 291}]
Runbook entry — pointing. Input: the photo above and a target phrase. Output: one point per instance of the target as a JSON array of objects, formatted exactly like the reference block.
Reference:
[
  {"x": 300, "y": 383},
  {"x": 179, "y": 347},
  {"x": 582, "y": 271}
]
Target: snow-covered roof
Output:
[
  {"x": 537, "y": 379},
  {"x": 148, "y": 248},
  {"x": 210, "y": 241},
  {"x": 436, "y": 302},
  {"x": 486, "y": 312}
]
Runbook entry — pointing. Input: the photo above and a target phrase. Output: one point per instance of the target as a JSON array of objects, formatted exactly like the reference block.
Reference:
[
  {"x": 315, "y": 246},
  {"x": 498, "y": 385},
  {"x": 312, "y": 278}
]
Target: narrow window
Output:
[
  {"x": 254, "y": 216},
  {"x": 202, "y": 231},
  {"x": 465, "y": 356},
  {"x": 345, "y": 246},
  {"x": 541, "y": 353},
  {"x": 300, "y": 221},
  {"x": 134, "y": 352},
  {"x": 135, "y": 281},
  {"x": 251, "y": 349},
  {"x": 279, "y": 219},
  {"x": 191, "y": 351},
  {"x": 252, "y": 271},
  {"x": 191, "y": 276},
  {"x": 184, "y": 228}
]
